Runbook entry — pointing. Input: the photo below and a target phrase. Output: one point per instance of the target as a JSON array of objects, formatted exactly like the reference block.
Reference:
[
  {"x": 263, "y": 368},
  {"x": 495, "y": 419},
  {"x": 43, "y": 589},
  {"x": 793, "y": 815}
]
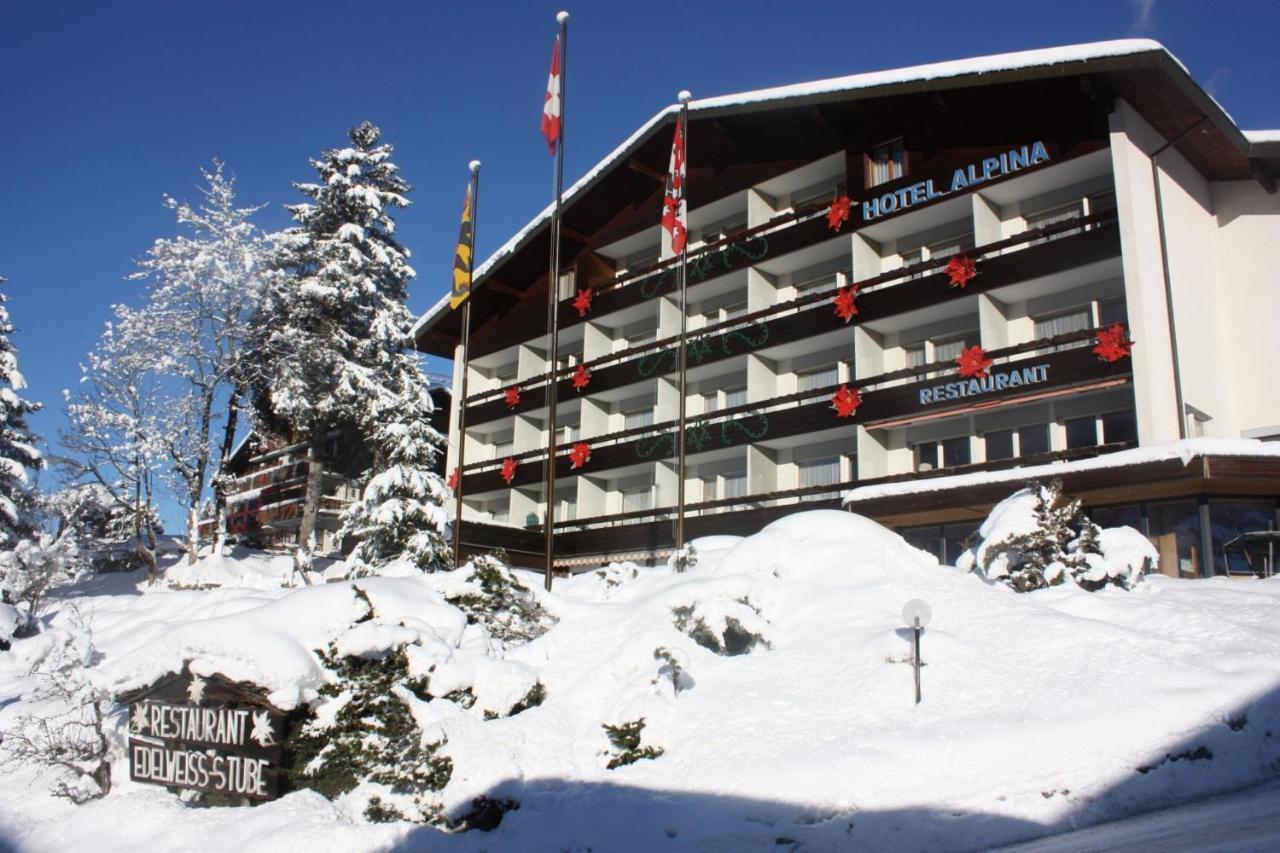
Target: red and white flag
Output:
[
  {"x": 551, "y": 106},
  {"x": 675, "y": 220}
]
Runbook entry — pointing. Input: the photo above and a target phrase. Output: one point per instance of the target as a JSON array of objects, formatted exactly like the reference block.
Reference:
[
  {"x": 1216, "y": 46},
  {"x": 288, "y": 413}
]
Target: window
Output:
[
  {"x": 955, "y": 451},
  {"x": 502, "y": 449},
  {"x": 732, "y": 312},
  {"x": 1033, "y": 440},
  {"x": 568, "y": 510},
  {"x": 708, "y": 488},
  {"x": 638, "y": 418},
  {"x": 818, "y": 193},
  {"x": 724, "y": 228},
  {"x": 820, "y": 472},
  {"x": 948, "y": 350},
  {"x": 950, "y": 246},
  {"x": 636, "y": 500},
  {"x": 1174, "y": 529},
  {"x": 816, "y": 285},
  {"x": 501, "y": 516},
  {"x": 999, "y": 445},
  {"x": 886, "y": 162},
  {"x": 639, "y": 339},
  {"x": 820, "y": 378},
  {"x": 1112, "y": 311},
  {"x": 710, "y": 402},
  {"x": 1229, "y": 519},
  {"x": 1103, "y": 202},
  {"x": 568, "y": 287},
  {"x": 1197, "y": 423},
  {"x": 1054, "y": 215},
  {"x": 1119, "y": 426},
  {"x": 735, "y": 484},
  {"x": 926, "y": 455},
  {"x": 1053, "y": 325},
  {"x": 570, "y": 433},
  {"x": 735, "y": 397},
  {"x": 1082, "y": 432},
  {"x": 915, "y": 356}
]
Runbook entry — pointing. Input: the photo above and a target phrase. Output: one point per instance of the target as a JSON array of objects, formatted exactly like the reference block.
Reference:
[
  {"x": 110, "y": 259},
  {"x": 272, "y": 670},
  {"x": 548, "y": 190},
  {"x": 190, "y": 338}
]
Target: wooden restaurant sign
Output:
[{"x": 206, "y": 734}]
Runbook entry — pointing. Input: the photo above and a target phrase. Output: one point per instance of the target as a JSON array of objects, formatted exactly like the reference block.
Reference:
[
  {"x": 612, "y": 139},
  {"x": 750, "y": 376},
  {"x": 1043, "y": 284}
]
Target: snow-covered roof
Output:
[
  {"x": 1185, "y": 450},
  {"x": 1017, "y": 60},
  {"x": 1259, "y": 136}
]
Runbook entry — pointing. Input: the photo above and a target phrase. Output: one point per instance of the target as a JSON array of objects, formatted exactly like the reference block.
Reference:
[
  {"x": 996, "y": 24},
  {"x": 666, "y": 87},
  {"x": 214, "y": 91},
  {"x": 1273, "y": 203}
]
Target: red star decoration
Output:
[
  {"x": 1113, "y": 345},
  {"x": 843, "y": 300},
  {"x": 960, "y": 269},
  {"x": 512, "y": 396},
  {"x": 454, "y": 479},
  {"x": 846, "y": 401},
  {"x": 974, "y": 362},
  {"x": 583, "y": 301},
  {"x": 579, "y": 455},
  {"x": 508, "y": 469},
  {"x": 581, "y": 377},
  {"x": 838, "y": 214}
]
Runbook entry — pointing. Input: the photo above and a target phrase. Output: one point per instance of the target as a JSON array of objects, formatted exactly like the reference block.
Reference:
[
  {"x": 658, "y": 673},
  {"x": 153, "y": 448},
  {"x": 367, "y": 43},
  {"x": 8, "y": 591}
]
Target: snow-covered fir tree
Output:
[
  {"x": 336, "y": 334},
  {"x": 18, "y": 453},
  {"x": 401, "y": 513},
  {"x": 1037, "y": 557},
  {"x": 203, "y": 289}
]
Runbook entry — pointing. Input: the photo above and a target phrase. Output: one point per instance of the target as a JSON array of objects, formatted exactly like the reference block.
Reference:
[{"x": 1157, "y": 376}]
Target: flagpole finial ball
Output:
[
  {"x": 685, "y": 96},
  {"x": 561, "y": 17},
  {"x": 474, "y": 166}
]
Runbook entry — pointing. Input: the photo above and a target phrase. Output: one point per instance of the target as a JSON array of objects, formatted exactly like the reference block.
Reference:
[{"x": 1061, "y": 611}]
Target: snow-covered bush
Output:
[
  {"x": 625, "y": 739},
  {"x": 29, "y": 571},
  {"x": 67, "y": 728},
  {"x": 492, "y": 596},
  {"x": 725, "y": 627},
  {"x": 1038, "y": 538}
]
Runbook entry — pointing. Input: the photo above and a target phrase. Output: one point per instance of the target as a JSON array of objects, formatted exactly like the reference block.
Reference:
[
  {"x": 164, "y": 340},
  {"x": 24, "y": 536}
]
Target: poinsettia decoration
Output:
[
  {"x": 512, "y": 396},
  {"x": 583, "y": 301},
  {"x": 973, "y": 362},
  {"x": 844, "y": 302},
  {"x": 838, "y": 213},
  {"x": 455, "y": 478},
  {"x": 508, "y": 470},
  {"x": 846, "y": 401},
  {"x": 960, "y": 270},
  {"x": 579, "y": 454},
  {"x": 1113, "y": 344},
  {"x": 581, "y": 377}
]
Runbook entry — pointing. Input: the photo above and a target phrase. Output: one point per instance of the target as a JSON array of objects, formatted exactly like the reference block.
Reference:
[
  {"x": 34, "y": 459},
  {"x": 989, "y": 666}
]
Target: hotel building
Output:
[{"x": 1023, "y": 203}]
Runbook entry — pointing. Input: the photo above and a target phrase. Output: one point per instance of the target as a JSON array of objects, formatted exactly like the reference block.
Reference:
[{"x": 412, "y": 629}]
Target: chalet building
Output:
[
  {"x": 1087, "y": 216},
  {"x": 268, "y": 480}
]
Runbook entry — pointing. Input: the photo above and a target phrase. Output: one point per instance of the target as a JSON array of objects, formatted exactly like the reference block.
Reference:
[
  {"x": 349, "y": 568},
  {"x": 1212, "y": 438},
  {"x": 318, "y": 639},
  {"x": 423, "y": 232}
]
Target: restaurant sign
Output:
[
  {"x": 206, "y": 734},
  {"x": 1007, "y": 380}
]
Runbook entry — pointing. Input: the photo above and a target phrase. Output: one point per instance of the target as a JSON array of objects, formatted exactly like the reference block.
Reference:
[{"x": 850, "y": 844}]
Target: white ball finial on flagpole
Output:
[
  {"x": 561, "y": 17},
  {"x": 474, "y": 166},
  {"x": 685, "y": 96}
]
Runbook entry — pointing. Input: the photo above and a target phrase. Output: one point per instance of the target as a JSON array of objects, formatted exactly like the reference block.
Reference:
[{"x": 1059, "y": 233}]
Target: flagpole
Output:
[
  {"x": 684, "y": 97},
  {"x": 474, "y": 192},
  {"x": 553, "y": 312}
]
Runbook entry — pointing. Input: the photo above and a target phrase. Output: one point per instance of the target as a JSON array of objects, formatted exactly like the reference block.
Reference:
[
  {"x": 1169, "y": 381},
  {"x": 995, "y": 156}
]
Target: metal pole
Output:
[
  {"x": 466, "y": 346},
  {"x": 553, "y": 311},
  {"x": 917, "y": 659},
  {"x": 684, "y": 315}
]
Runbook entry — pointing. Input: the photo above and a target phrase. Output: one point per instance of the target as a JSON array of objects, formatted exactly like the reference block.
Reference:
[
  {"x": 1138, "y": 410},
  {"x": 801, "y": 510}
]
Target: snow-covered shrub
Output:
[
  {"x": 28, "y": 571},
  {"x": 683, "y": 559},
  {"x": 372, "y": 741},
  {"x": 1038, "y": 538},
  {"x": 625, "y": 738},
  {"x": 725, "y": 627},
  {"x": 493, "y": 597},
  {"x": 673, "y": 668},
  {"x": 68, "y": 727},
  {"x": 1113, "y": 556}
]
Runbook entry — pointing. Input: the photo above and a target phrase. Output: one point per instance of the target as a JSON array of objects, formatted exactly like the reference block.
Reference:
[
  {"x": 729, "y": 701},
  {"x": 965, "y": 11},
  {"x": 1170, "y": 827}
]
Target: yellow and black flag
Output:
[{"x": 462, "y": 257}]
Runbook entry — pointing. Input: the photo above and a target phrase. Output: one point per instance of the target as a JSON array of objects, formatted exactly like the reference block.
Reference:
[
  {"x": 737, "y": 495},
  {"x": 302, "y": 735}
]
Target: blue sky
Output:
[{"x": 111, "y": 105}]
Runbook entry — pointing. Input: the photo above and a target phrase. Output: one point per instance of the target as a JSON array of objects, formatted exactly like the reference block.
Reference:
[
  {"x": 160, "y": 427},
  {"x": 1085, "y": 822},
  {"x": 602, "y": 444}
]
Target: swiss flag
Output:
[
  {"x": 551, "y": 106},
  {"x": 675, "y": 220}
]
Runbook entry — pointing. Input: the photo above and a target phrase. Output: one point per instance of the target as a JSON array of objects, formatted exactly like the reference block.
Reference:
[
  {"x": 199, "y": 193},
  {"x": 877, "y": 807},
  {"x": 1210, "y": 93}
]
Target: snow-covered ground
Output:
[{"x": 1042, "y": 712}]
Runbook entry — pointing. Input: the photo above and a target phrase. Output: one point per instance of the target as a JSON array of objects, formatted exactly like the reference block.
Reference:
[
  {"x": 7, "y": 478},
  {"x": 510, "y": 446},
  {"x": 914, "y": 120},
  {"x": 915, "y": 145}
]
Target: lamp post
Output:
[{"x": 916, "y": 614}]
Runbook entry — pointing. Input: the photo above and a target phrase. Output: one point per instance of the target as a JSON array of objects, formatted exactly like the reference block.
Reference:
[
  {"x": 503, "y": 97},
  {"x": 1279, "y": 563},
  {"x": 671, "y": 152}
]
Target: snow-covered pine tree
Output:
[
  {"x": 336, "y": 329},
  {"x": 1039, "y": 557},
  {"x": 18, "y": 453},
  {"x": 401, "y": 513}
]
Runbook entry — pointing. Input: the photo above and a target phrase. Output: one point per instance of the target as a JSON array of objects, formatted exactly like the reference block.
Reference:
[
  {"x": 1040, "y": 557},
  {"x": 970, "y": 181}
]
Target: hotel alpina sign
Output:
[{"x": 206, "y": 734}]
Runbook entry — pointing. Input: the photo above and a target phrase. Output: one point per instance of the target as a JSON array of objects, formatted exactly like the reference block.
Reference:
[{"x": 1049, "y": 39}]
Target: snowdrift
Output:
[{"x": 774, "y": 686}]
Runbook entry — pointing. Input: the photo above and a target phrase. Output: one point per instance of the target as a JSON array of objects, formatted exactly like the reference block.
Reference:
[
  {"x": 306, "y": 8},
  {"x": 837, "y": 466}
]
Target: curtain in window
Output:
[
  {"x": 1061, "y": 324},
  {"x": 735, "y": 485},
  {"x": 735, "y": 397},
  {"x": 637, "y": 500},
  {"x": 820, "y": 472},
  {"x": 812, "y": 379},
  {"x": 635, "y": 420}
]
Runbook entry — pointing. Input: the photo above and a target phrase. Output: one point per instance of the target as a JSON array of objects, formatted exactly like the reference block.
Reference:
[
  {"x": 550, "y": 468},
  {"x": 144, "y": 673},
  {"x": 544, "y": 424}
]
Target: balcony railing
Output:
[{"x": 1015, "y": 259}]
